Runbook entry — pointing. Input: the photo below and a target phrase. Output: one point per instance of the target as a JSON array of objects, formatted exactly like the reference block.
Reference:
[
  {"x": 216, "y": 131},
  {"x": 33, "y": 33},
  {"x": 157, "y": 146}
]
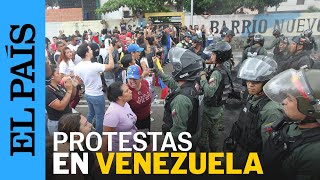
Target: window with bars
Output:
[
  {"x": 89, "y": 6},
  {"x": 300, "y": 2}
]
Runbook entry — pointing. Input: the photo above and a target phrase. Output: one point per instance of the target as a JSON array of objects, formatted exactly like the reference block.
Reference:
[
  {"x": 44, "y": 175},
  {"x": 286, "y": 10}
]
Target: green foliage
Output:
[
  {"x": 144, "y": 5},
  {"x": 312, "y": 9},
  {"x": 227, "y": 6},
  {"x": 199, "y": 6}
]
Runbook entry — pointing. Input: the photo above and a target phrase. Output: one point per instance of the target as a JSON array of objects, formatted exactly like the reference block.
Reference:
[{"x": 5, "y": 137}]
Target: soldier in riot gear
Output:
[
  {"x": 250, "y": 131},
  {"x": 256, "y": 48},
  {"x": 293, "y": 145},
  {"x": 299, "y": 56},
  {"x": 283, "y": 53},
  {"x": 275, "y": 43},
  {"x": 197, "y": 47},
  {"x": 249, "y": 41},
  {"x": 181, "y": 110},
  {"x": 216, "y": 86},
  {"x": 186, "y": 42},
  {"x": 229, "y": 34},
  {"x": 312, "y": 45}
]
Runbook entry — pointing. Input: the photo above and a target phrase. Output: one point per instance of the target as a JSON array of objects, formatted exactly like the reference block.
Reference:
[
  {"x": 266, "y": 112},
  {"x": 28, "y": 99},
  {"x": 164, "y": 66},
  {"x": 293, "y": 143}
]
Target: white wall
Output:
[
  {"x": 291, "y": 6},
  {"x": 113, "y": 15},
  {"x": 292, "y": 24}
]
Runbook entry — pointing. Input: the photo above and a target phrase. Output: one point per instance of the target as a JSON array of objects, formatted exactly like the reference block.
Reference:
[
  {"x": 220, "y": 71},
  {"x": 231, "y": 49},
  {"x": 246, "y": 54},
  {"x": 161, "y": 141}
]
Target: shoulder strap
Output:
[
  {"x": 260, "y": 104},
  {"x": 308, "y": 136},
  {"x": 229, "y": 76},
  {"x": 258, "y": 51}
]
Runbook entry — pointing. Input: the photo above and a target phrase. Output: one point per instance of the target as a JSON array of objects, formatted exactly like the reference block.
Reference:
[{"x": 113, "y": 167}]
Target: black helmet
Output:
[
  {"x": 187, "y": 35},
  {"x": 222, "y": 49},
  {"x": 258, "y": 68},
  {"x": 186, "y": 64},
  {"x": 230, "y": 32},
  {"x": 301, "y": 40},
  {"x": 307, "y": 33},
  {"x": 196, "y": 39},
  {"x": 276, "y": 32},
  {"x": 258, "y": 38},
  {"x": 284, "y": 39}
]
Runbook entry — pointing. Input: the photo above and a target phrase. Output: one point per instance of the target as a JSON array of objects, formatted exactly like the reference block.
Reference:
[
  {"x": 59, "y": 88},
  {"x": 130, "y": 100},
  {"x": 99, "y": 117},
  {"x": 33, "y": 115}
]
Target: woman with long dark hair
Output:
[{"x": 66, "y": 68}]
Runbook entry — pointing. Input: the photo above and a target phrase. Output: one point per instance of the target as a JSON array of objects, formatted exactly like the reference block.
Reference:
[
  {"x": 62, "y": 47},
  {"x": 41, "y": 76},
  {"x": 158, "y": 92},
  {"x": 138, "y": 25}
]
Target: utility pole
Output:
[
  {"x": 191, "y": 17},
  {"x": 82, "y": 9}
]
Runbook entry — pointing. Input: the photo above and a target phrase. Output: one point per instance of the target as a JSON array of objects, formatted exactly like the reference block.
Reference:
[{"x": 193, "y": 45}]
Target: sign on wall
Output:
[{"x": 290, "y": 24}]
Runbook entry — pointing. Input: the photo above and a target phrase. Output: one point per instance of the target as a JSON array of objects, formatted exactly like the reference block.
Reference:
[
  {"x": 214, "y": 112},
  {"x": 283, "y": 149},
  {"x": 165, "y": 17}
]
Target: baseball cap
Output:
[
  {"x": 134, "y": 48},
  {"x": 134, "y": 72},
  {"x": 115, "y": 40}
]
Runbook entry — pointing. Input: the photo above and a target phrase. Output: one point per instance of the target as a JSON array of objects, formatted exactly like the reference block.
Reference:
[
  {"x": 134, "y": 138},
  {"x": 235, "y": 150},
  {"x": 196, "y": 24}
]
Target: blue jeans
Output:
[
  {"x": 96, "y": 106},
  {"x": 208, "y": 42},
  {"x": 165, "y": 54}
]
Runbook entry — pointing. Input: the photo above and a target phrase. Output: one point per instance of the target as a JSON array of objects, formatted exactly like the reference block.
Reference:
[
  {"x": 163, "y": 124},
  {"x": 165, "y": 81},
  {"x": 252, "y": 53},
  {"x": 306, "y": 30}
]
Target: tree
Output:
[
  {"x": 135, "y": 5},
  {"x": 228, "y": 6}
]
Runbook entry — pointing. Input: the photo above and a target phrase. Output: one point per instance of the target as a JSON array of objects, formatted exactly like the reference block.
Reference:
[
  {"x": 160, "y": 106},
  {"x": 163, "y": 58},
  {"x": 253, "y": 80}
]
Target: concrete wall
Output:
[{"x": 291, "y": 24}]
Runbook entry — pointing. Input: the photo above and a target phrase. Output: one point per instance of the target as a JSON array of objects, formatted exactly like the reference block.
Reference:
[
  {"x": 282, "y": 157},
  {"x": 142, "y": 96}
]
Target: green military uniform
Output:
[
  {"x": 212, "y": 118},
  {"x": 215, "y": 89},
  {"x": 274, "y": 43},
  {"x": 303, "y": 162},
  {"x": 181, "y": 108},
  {"x": 250, "y": 131},
  {"x": 293, "y": 146},
  {"x": 255, "y": 49},
  {"x": 271, "y": 112}
]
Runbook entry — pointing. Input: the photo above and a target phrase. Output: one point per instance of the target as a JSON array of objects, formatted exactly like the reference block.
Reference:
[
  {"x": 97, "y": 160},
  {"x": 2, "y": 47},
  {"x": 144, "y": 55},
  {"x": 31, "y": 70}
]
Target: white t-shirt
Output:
[
  {"x": 104, "y": 53},
  {"x": 77, "y": 59},
  {"x": 199, "y": 33},
  {"x": 148, "y": 78},
  {"x": 73, "y": 48},
  {"x": 66, "y": 68},
  {"x": 89, "y": 73},
  {"x": 210, "y": 36}
]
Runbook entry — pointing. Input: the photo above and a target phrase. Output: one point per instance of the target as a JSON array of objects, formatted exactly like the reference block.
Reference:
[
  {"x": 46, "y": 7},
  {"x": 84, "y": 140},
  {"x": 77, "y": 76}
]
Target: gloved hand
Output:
[{"x": 203, "y": 74}]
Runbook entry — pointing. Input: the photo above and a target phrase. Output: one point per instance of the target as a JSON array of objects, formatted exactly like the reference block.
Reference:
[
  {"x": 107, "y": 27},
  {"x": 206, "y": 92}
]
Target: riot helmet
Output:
[
  {"x": 276, "y": 32},
  {"x": 258, "y": 69},
  {"x": 196, "y": 39},
  {"x": 186, "y": 64},
  {"x": 258, "y": 39},
  {"x": 307, "y": 33},
  {"x": 230, "y": 32},
  {"x": 222, "y": 50},
  {"x": 303, "y": 84},
  {"x": 304, "y": 41},
  {"x": 284, "y": 40}
]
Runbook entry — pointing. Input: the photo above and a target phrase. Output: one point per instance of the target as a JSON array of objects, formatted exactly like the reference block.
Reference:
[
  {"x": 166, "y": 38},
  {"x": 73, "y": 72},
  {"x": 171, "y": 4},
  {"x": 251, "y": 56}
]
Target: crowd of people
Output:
[{"x": 280, "y": 119}]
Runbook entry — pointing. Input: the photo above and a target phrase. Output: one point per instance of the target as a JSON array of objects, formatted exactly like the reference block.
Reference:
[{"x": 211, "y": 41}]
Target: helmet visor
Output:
[
  {"x": 290, "y": 82},
  {"x": 257, "y": 69},
  {"x": 175, "y": 54}
]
